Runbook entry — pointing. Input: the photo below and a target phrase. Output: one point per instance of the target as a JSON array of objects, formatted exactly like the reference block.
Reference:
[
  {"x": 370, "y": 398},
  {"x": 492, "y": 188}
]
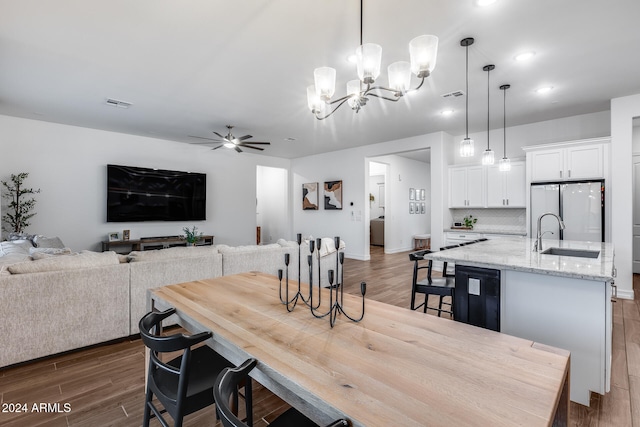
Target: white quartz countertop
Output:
[
  {"x": 485, "y": 231},
  {"x": 516, "y": 254}
]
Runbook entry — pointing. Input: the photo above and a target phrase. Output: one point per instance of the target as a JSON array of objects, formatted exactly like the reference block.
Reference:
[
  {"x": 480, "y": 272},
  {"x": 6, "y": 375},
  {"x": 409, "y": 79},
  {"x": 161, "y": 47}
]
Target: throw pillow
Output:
[{"x": 47, "y": 242}]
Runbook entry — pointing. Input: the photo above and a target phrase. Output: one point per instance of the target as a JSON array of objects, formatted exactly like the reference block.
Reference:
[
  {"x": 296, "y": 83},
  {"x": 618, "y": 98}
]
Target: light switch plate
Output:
[{"x": 474, "y": 286}]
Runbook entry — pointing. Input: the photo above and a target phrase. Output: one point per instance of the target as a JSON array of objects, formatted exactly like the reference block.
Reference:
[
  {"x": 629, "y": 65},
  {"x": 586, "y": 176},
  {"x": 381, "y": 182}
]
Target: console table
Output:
[{"x": 149, "y": 243}]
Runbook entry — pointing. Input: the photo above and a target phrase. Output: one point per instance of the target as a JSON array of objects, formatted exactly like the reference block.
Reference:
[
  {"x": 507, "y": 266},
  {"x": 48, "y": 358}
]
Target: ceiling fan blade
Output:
[
  {"x": 242, "y": 138},
  {"x": 255, "y": 148},
  {"x": 238, "y": 149},
  {"x": 201, "y": 137},
  {"x": 220, "y": 135},
  {"x": 256, "y": 142},
  {"x": 215, "y": 148}
]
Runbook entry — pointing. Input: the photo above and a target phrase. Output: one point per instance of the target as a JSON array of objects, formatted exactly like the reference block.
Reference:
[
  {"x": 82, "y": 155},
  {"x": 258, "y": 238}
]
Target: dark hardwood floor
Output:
[{"x": 104, "y": 385}]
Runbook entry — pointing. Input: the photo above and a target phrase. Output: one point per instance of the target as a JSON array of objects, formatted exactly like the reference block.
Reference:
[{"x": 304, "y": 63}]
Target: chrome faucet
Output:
[{"x": 537, "y": 247}]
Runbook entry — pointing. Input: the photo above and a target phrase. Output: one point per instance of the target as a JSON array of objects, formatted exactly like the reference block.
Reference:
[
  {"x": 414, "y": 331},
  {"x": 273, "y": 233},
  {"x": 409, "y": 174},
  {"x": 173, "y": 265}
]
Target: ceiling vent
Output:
[
  {"x": 454, "y": 94},
  {"x": 117, "y": 103}
]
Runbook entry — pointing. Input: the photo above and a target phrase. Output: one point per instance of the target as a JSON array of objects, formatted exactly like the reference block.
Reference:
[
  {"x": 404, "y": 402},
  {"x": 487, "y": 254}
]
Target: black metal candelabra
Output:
[{"x": 336, "y": 302}]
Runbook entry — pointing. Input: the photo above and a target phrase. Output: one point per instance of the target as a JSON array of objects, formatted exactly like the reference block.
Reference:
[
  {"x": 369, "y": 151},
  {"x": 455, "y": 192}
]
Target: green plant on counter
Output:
[
  {"x": 191, "y": 235},
  {"x": 469, "y": 221}
]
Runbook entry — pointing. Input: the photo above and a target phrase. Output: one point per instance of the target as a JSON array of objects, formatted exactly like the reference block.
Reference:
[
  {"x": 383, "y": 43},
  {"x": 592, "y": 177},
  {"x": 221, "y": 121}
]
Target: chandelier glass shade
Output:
[
  {"x": 505, "y": 163},
  {"x": 422, "y": 53},
  {"x": 467, "y": 148}
]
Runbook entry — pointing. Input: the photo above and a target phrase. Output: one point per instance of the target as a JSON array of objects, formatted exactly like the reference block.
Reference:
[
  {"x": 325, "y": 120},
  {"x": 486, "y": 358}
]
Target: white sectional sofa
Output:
[{"x": 55, "y": 303}]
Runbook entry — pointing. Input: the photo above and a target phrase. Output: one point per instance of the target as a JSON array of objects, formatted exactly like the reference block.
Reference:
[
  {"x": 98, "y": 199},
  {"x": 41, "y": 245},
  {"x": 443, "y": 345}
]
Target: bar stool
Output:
[
  {"x": 422, "y": 241},
  {"x": 441, "y": 287}
]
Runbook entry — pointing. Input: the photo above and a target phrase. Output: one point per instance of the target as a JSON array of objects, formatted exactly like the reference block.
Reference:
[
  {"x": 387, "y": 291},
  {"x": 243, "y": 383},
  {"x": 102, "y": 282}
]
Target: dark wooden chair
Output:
[
  {"x": 228, "y": 381},
  {"x": 440, "y": 286},
  {"x": 184, "y": 384}
]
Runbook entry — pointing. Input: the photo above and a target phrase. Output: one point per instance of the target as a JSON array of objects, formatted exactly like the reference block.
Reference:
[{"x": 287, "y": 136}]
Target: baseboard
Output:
[
  {"x": 624, "y": 294},
  {"x": 357, "y": 257},
  {"x": 397, "y": 250}
]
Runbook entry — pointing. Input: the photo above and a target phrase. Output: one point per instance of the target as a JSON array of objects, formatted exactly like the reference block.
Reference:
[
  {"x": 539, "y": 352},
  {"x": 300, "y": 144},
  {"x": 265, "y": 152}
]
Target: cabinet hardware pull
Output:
[
  {"x": 569, "y": 173},
  {"x": 560, "y": 174},
  {"x": 507, "y": 202}
]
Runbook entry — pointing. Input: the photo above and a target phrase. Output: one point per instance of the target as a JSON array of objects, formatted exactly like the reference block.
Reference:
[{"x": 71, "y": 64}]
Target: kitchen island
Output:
[{"x": 558, "y": 300}]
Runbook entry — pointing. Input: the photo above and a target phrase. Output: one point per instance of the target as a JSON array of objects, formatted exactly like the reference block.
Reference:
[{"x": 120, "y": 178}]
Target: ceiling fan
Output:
[{"x": 231, "y": 141}]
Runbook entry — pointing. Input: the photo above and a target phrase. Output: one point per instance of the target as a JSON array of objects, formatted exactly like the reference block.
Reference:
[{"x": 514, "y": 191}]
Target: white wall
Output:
[
  {"x": 623, "y": 111},
  {"x": 69, "y": 165},
  {"x": 272, "y": 215},
  {"x": 375, "y": 183},
  {"x": 585, "y": 126},
  {"x": 352, "y": 167}
]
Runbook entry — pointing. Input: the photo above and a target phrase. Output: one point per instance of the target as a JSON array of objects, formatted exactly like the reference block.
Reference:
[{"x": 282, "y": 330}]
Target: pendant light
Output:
[
  {"x": 488, "y": 157},
  {"x": 466, "y": 145},
  {"x": 505, "y": 163}
]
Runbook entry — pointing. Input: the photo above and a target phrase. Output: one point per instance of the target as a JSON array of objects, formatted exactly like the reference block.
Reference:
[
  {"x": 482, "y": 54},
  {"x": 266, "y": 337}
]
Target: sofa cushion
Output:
[
  {"x": 15, "y": 258},
  {"x": 171, "y": 253},
  {"x": 248, "y": 248},
  {"x": 85, "y": 259},
  {"x": 47, "y": 242}
]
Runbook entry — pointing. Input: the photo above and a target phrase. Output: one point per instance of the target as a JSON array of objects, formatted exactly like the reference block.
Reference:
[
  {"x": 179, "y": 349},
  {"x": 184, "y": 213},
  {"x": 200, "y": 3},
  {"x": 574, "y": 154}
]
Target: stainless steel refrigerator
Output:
[{"x": 580, "y": 204}]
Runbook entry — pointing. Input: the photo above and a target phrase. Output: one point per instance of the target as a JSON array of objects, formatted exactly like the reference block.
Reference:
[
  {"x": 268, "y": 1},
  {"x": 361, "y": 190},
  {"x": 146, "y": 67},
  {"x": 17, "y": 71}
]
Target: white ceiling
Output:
[{"x": 191, "y": 67}]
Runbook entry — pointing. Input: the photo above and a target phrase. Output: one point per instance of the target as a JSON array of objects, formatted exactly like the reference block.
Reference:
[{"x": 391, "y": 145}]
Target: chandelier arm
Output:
[
  {"x": 384, "y": 97},
  {"x": 342, "y": 101}
]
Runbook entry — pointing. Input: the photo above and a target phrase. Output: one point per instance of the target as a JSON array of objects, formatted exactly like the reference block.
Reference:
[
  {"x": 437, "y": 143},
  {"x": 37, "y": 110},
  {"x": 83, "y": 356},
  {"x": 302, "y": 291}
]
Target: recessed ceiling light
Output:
[
  {"x": 544, "y": 90},
  {"x": 446, "y": 112},
  {"x": 485, "y": 2},
  {"x": 290, "y": 139},
  {"x": 524, "y": 56}
]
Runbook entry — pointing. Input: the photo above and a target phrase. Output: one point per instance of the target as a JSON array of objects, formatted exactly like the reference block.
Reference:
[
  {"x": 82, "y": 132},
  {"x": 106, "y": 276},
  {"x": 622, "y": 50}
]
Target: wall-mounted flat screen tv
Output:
[{"x": 142, "y": 194}]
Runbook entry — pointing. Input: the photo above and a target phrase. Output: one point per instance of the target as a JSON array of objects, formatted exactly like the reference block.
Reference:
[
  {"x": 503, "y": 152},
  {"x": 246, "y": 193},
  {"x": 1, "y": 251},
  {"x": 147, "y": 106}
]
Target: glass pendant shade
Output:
[
  {"x": 488, "y": 157},
  {"x": 399, "y": 76},
  {"x": 313, "y": 100},
  {"x": 325, "y": 82},
  {"x": 353, "y": 91},
  {"x": 423, "y": 51},
  {"x": 466, "y": 148},
  {"x": 368, "y": 60},
  {"x": 504, "y": 165}
]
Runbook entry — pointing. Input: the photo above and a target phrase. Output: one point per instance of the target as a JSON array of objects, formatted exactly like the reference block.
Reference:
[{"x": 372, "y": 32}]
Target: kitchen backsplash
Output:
[{"x": 494, "y": 220}]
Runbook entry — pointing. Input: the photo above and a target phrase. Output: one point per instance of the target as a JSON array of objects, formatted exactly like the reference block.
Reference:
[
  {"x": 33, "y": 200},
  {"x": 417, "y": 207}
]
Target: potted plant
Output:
[
  {"x": 469, "y": 221},
  {"x": 191, "y": 235},
  {"x": 20, "y": 206}
]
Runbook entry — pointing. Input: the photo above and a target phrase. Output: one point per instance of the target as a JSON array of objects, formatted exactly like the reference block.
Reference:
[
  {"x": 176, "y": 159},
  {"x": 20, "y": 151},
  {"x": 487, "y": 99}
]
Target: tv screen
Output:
[{"x": 141, "y": 194}]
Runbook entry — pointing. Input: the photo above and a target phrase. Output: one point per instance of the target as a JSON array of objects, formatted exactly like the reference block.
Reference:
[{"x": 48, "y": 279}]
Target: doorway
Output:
[
  {"x": 377, "y": 197},
  {"x": 636, "y": 194},
  {"x": 272, "y": 205}
]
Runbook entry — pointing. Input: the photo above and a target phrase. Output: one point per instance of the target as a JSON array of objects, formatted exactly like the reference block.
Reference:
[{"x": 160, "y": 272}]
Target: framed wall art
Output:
[
  {"x": 310, "y": 196},
  {"x": 412, "y": 194},
  {"x": 333, "y": 195},
  {"x": 412, "y": 207}
]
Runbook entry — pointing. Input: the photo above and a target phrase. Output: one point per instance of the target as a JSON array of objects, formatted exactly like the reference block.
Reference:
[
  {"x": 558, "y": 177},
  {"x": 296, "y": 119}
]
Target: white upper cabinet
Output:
[
  {"x": 506, "y": 189},
  {"x": 466, "y": 187},
  {"x": 567, "y": 161}
]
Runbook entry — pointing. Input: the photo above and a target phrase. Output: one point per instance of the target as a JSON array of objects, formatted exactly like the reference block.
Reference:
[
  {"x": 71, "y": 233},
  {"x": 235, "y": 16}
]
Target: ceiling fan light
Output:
[
  {"x": 466, "y": 147},
  {"x": 488, "y": 157},
  {"x": 229, "y": 145},
  {"x": 313, "y": 100},
  {"x": 368, "y": 60},
  {"x": 325, "y": 82},
  {"x": 399, "y": 76},
  {"x": 504, "y": 165},
  {"x": 423, "y": 51}
]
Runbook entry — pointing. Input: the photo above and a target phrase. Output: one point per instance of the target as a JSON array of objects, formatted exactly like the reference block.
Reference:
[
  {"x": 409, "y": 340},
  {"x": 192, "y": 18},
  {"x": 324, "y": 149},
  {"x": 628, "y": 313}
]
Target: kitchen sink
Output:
[{"x": 580, "y": 253}]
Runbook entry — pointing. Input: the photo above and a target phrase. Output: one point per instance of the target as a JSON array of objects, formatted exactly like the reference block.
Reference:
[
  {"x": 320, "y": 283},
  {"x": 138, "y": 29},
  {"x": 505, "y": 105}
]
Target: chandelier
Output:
[{"x": 422, "y": 51}]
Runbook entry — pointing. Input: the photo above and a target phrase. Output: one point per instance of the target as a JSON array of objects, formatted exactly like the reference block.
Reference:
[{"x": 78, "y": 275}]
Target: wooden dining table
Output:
[{"x": 396, "y": 367}]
